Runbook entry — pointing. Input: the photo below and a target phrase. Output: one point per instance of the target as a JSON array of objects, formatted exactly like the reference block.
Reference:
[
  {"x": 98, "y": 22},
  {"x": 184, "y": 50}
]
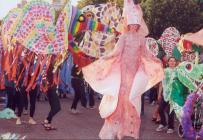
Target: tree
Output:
[
  {"x": 83, "y": 3},
  {"x": 185, "y": 15}
]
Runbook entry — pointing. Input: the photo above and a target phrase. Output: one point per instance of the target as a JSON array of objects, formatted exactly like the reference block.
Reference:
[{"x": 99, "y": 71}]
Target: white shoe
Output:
[
  {"x": 18, "y": 121},
  {"x": 91, "y": 107},
  {"x": 160, "y": 128},
  {"x": 74, "y": 111},
  {"x": 32, "y": 121},
  {"x": 153, "y": 103},
  {"x": 170, "y": 131}
]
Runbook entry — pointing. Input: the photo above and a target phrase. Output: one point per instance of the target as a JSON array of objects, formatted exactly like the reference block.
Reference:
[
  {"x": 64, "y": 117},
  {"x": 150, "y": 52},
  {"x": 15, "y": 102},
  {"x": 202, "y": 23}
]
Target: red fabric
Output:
[
  {"x": 80, "y": 58},
  {"x": 187, "y": 45}
]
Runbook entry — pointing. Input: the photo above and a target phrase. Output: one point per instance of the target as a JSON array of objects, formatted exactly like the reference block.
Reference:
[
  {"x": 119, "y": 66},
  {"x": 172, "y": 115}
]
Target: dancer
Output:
[
  {"x": 123, "y": 76},
  {"x": 53, "y": 98},
  {"x": 78, "y": 86},
  {"x": 22, "y": 93}
]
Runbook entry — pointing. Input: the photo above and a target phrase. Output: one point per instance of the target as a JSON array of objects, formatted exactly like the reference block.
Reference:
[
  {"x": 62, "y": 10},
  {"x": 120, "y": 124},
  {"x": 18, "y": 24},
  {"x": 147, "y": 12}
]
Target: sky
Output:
[{"x": 7, "y": 5}]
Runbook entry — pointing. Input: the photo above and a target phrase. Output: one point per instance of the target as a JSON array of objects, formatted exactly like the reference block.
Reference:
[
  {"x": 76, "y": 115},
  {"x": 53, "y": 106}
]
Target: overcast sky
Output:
[{"x": 7, "y": 5}]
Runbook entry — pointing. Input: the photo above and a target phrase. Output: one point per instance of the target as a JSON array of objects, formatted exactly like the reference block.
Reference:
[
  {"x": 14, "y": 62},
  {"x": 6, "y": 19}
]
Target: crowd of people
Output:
[{"x": 17, "y": 99}]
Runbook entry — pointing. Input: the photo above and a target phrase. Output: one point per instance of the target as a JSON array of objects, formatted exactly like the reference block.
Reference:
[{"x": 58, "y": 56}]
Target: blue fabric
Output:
[{"x": 65, "y": 76}]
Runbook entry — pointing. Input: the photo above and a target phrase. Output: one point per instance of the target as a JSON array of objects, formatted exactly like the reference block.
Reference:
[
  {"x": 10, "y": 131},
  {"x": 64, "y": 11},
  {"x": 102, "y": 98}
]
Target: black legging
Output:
[
  {"x": 78, "y": 86},
  {"x": 11, "y": 98},
  {"x": 22, "y": 101},
  {"x": 19, "y": 101},
  {"x": 33, "y": 97},
  {"x": 54, "y": 103},
  {"x": 25, "y": 100},
  {"x": 91, "y": 96},
  {"x": 164, "y": 106}
]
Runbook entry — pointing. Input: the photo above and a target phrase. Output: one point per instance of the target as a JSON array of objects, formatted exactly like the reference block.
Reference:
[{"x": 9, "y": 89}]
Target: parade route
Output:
[{"x": 82, "y": 126}]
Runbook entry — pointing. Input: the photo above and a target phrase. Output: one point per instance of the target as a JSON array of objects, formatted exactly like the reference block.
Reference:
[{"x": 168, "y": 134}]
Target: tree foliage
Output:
[
  {"x": 185, "y": 15},
  {"x": 83, "y": 3}
]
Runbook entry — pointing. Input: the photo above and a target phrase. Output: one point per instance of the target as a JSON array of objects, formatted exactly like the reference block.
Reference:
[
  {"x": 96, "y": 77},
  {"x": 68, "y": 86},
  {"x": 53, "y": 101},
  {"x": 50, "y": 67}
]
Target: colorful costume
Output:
[
  {"x": 176, "y": 81},
  {"x": 181, "y": 47},
  {"x": 195, "y": 37},
  {"x": 33, "y": 36},
  {"x": 122, "y": 77}
]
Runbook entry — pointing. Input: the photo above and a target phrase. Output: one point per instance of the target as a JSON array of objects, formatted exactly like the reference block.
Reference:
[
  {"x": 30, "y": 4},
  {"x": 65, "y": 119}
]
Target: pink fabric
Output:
[
  {"x": 123, "y": 76},
  {"x": 196, "y": 38},
  {"x": 129, "y": 72},
  {"x": 133, "y": 15},
  {"x": 132, "y": 12}
]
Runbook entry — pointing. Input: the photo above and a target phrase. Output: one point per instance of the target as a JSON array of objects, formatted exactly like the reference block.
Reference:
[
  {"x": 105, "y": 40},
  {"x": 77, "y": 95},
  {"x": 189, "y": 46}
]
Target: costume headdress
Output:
[{"x": 132, "y": 14}]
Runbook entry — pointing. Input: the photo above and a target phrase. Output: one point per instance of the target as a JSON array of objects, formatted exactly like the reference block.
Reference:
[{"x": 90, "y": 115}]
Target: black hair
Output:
[{"x": 172, "y": 57}]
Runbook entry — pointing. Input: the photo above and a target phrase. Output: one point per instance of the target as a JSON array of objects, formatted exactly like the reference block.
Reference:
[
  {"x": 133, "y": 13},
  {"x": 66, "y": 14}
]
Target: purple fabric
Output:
[{"x": 188, "y": 130}]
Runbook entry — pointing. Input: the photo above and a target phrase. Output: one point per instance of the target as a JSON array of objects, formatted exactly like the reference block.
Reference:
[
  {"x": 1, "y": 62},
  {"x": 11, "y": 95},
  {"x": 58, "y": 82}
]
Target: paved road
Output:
[{"x": 83, "y": 126}]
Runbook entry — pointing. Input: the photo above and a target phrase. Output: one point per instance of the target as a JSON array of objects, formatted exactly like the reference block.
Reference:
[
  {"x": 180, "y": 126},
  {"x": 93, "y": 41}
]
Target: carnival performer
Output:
[
  {"x": 53, "y": 81},
  {"x": 78, "y": 86},
  {"x": 164, "y": 104},
  {"x": 123, "y": 76},
  {"x": 21, "y": 93}
]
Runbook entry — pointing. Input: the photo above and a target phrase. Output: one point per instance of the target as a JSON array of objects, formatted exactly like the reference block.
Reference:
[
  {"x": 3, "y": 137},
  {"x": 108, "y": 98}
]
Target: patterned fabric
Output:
[
  {"x": 37, "y": 30},
  {"x": 80, "y": 23},
  {"x": 98, "y": 44},
  {"x": 1, "y": 63},
  {"x": 9, "y": 25},
  {"x": 175, "y": 45},
  {"x": 1, "y": 44},
  {"x": 178, "y": 82},
  {"x": 169, "y": 40},
  {"x": 152, "y": 46}
]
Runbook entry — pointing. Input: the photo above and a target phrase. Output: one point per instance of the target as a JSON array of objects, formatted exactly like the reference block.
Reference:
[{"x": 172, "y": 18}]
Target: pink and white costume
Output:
[{"x": 122, "y": 78}]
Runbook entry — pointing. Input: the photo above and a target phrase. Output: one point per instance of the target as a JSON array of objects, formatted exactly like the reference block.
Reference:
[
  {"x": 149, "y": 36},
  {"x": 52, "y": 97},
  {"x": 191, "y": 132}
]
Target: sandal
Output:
[
  {"x": 49, "y": 128},
  {"x": 45, "y": 122},
  {"x": 157, "y": 121},
  {"x": 154, "y": 119}
]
